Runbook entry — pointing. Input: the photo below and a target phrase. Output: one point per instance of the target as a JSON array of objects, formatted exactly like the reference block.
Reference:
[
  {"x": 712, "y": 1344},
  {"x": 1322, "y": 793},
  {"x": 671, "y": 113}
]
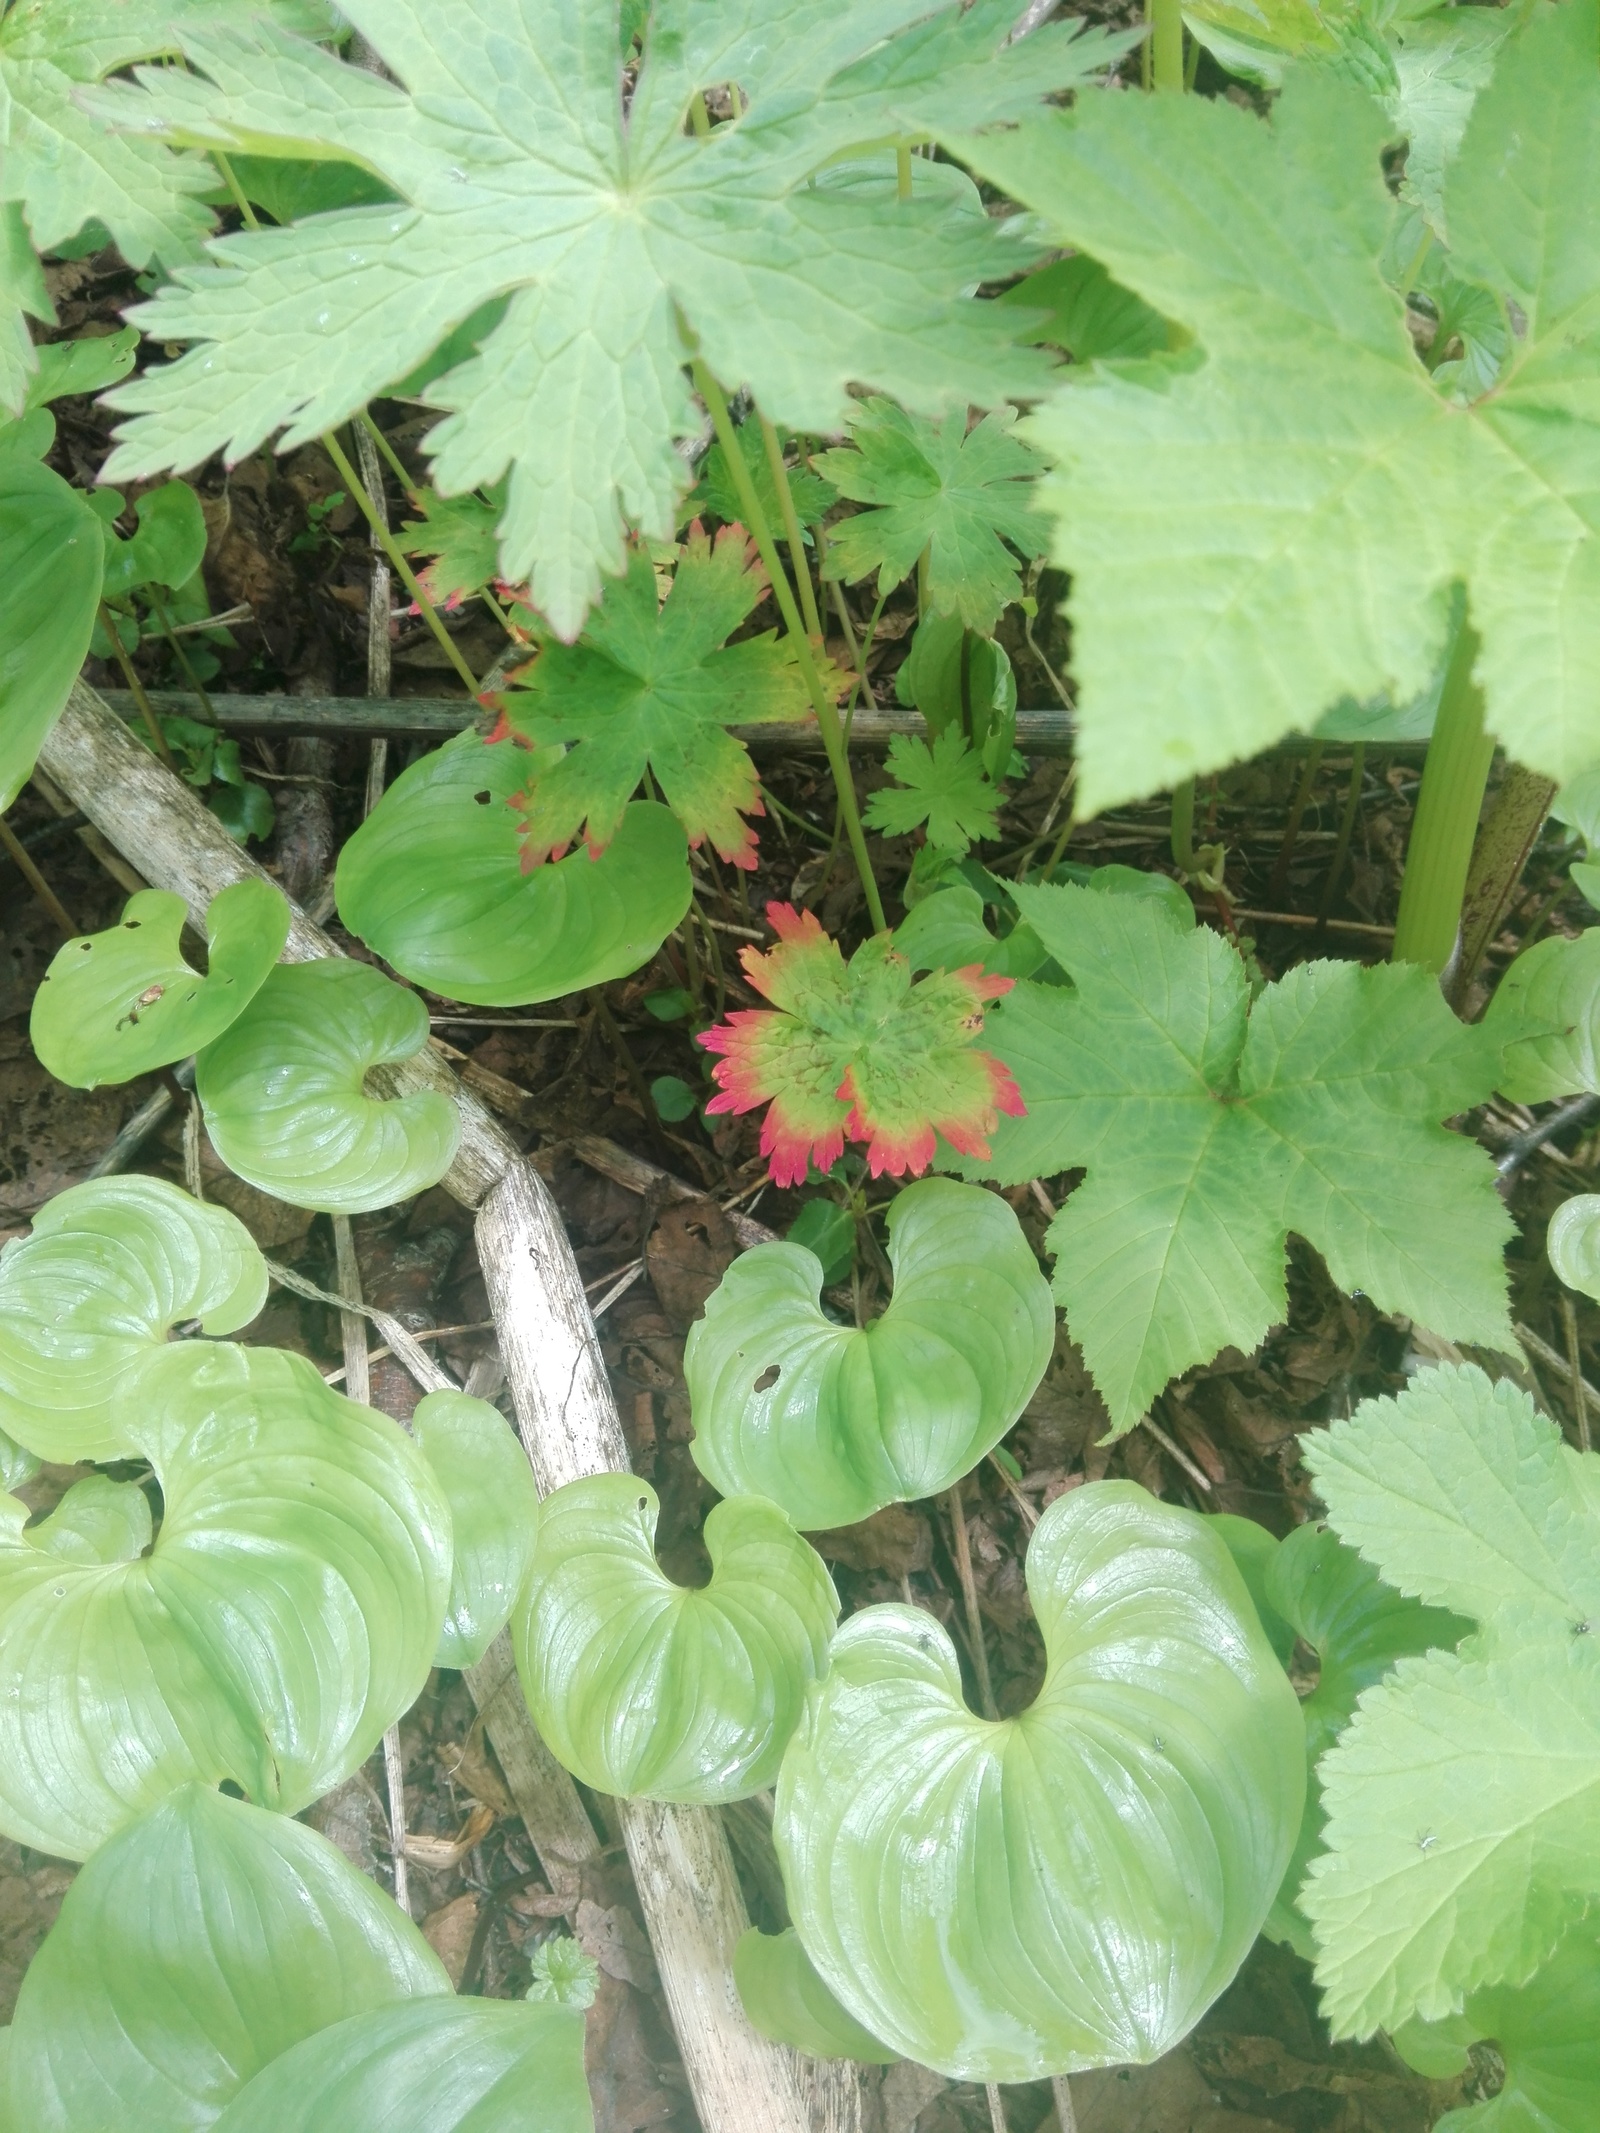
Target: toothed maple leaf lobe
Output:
[
  {"x": 1212, "y": 1127},
  {"x": 944, "y": 787},
  {"x": 858, "y": 1051},
  {"x": 1276, "y": 520},
  {"x": 525, "y": 169},
  {"x": 653, "y": 684}
]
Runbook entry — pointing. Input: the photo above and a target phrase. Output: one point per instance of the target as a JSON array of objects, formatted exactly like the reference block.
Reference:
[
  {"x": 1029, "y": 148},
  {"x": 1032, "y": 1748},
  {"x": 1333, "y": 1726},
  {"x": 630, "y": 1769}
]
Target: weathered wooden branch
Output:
[{"x": 687, "y": 1885}]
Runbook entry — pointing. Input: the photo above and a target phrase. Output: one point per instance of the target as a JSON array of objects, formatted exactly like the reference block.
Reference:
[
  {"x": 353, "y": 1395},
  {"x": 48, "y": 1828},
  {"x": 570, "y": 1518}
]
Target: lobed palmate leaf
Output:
[
  {"x": 287, "y": 1613},
  {"x": 943, "y": 786},
  {"x": 643, "y": 1687},
  {"x": 494, "y": 1517},
  {"x": 110, "y": 1268},
  {"x": 1072, "y": 1887},
  {"x": 114, "y": 1005},
  {"x": 284, "y": 1097},
  {"x": 834, "y": 1421},
  {"x": 433, "y": 882}
]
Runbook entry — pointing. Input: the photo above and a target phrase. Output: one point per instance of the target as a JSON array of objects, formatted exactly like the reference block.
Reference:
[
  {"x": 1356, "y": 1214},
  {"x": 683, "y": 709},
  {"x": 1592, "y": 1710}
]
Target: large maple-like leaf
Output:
[
  {"x": 858, "y": 1050},
  {"x": 525, "y": 167},
  {"x": 1277, "y": 521},
  {"x": 655, "y": 684},
  {"x": 1210, "y": 1129}
]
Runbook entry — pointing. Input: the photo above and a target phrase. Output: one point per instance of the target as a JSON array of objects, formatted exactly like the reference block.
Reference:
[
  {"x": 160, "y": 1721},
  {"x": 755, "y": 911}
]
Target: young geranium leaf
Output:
[
  {"x": 785, "y": 1999},
  {"x": 959, "y": 495},
  {"x": 1545, "y": 1016},
  {"x": 284, "y": 1091},
  {"x": 51, "y": 554},
  {"x": 494, "y": 1517},
  {"x": 1254, "y": 535},
  {"x": 1072, "y": 1887},
  {"x": 714, "y": 491},
  {"x": 777, "y": 239},
  {"x": 858, "y": 1049},
  {"x": 115, "y": 1004},
  {"x": 834, "y": 1421},
  {"x": 646, "y": 1689},
  {"x": 943, "y": 786},
  {"x": 194, "y": 1948},
  {"x": 458, "y": 532},
  {"x": 1463, "y": 1798},
  {"x": 110, "y": 1268},
  {"x": 654, "y": 685},
  {"x": 287, "y": 1613},
  {"x": 1211, "y": 1128}
]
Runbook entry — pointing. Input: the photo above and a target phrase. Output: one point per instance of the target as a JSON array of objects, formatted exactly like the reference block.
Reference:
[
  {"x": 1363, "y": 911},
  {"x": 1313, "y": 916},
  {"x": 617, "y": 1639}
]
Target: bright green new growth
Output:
[
  {"x": 1210, "y": 1128},
  {"x": 1463, "y": 1798},
  {"x": 1573, "y": 1243},
  {"x": 287, "y": 1614},
  {"x": 1545, "y": 1015},
  {"x": 957, "y": 495},
  {"x": 86, "y": 1300},
  {"x": 651, "y": 689},
  {"x": 644, "y": 1688},
  {"x": 1072, "y": 1887},
  {"x": 785, "y": 1999},
  {"x": 1275, "y": 522},
  {"x": 50, "y": 561},
  {"x": 943, "y": 786},
  {"x": 432, "y": 881},
  {"x": 774, "y": 246},
  {"x": 834, "y": 1421},
  {"x": 114, "y": 1005},
  {"x": 284, "y": 1091},
  {"x": 494, "y": 1517},
  {"x": 564, "y": 1972}
]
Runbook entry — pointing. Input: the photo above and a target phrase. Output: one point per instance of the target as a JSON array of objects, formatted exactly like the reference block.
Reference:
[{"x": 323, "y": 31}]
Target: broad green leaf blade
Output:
[
  {"x": 50, "y": 560},
  {"x": 1275, "y": 525},
  {"x": 1573, "y": 1243},
  {"x": 653, "y": 687},
  {"x": 1548, "y": 2035},
  {"x": 834, "y": 1421},
  {"x": 23, "y": 295},
  {"x": 194, "y": 1948},
  {"x": 114, "y": 1005},
  {"x": 110, "y": 1268},
  {"x": 946, "y": 932},
  {"x": 778, "y": 240},
  {"x": 1085, "y": 312},
  {"x": 787, "y": 2001},
  {"x": 643, "y": 1688},
  {"x": 168, "y": 547},
  {"x": 433, "y": 882},
  {"x": 85, "y": 365},
  {"x": 1545, "y": 1015},
  {"x": 283, "y": 1091},
  {"x": 958, "y": 495},
  {"x": 1072, "y": 1887},
  {"x": 494, "y": 1517},
  {"x": 98, "y": 1521},
  {"x": 287, "y": 1614},
  {"x": 945, "y": 788},
  {"x": 1210, "y": 1129},
  {"x": 427, "y": 2066}
]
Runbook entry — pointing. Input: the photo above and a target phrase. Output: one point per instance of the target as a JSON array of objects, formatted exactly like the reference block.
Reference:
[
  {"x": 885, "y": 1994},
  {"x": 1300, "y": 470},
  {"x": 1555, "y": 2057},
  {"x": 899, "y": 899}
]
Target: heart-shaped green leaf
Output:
[
  {"x": 787, "y": 2001},
  {"x": 1072, "y": 1887},
  {"x": 1573, "y": 1243},
  {"x": 833, "y": 1421},
  {"x": 494, "y": 1517},
  {"x": 433, "y": 882},
  {"x": 194, "y": 1948},
  {"x": 119, "y": 1003},
  {"x": 288, "y": 1612},
  {"x": 284, "y": 1097},
  {"x": 645, "y": 1689},
  {"x": 1545, "y": 1015},
  {"x": 428, "y": 2066},
  {"x": 168, "y": 548},
  {"x": 50, "y": 551},
  {"x": 111, "y": 1267}
]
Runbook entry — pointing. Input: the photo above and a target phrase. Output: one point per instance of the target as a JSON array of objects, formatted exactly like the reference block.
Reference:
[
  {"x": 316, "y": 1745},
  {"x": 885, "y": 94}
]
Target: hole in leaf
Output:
[
  {"x": 482, "y": 798},
  {"x": 231, "y": 1791},
  {"x": 130, "y": 925},
  {"x": 768, "y": 1378}
]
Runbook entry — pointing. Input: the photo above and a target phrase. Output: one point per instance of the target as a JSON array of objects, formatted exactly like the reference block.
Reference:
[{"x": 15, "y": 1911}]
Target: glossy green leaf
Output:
[
  {"x": 787, "y": 2001},
  {"x": 85, "y": 365},
  {"x": 833, "y": 1421},
  {"x": 168, "y": 547},
  {"x": 945, "y": 931},
  {"x": 98, "y": 1521},
  {"x": 645, "y": 1688},
  {"x": 50, "y": 559},
  {"x": 1573, "y": 1243},
  {"x": 1463, "y": 1798},
  {"x": 1072, "y": 1887},
  {"x": 427, "y": 2066},
  {"x": 494, "y": 1517},
  {"x": 1545, "y": 1016},
  {"x": 195, "y": 1947},
  {"x": 284, "y": 1097},
  {"x": 110, "y": 1268},
  {"x": 829, "y": 1232},
  {"x": 433, "y": 882},
  {"x": 288, "y": 1612},
  {"x": 114, "y": 1005},
  {"x": 23, "y": 295}
]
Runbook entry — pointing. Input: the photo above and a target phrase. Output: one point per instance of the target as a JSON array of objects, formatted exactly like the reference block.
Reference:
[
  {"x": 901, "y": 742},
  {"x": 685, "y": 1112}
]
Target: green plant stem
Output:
[
  {"x": 1446, "y": 823},
  {"x": 1291, "y": 830},
  {"x": 147, "y": 710},
  {"x": 771, "y": 800},
  {"x": 1347, "y": 824},
  {"x": 402, "y": 569},
  {"x": 821, "y": 702},
  {"x": 247, "y": 213},
  {"x": 793, "y": 533},
  {"x": 178, "y": 652},
  {"x": 699, "y": 116},
  {"x": 691, "y": 960},
  {"x": 390, "y": 456},
  {"x": 719, "y": 975},
  {"x": 1166, "y": 44}
]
